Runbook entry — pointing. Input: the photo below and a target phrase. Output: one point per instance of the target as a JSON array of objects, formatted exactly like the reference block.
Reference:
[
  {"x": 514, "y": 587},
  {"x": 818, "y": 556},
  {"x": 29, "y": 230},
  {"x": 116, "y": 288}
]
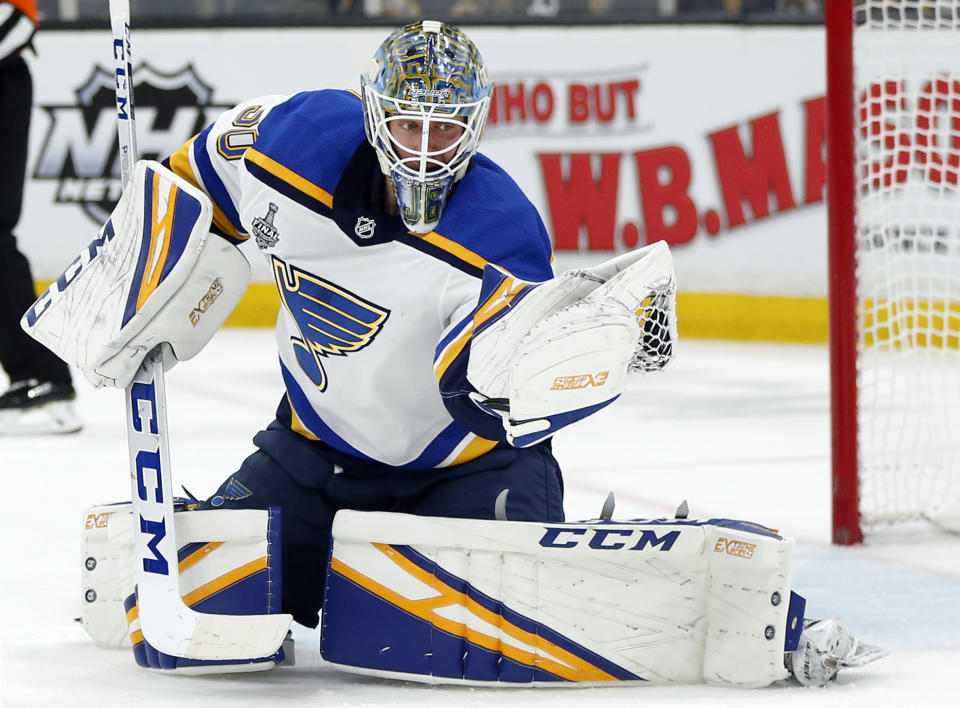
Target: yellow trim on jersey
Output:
[
  {"x": 136, "y": 637},
  {"x": 217, "y": 584},
  {"x": 180, "y": 165},
  {"x": 452, "y": 247},
  {"x": 499, "y": 300},
  {"x": 289, "y": 176},
  {"x": 296, "y": 425},
  {"x": 474, "y": 449},
  {"x": 453, "y": 351},
  {"x": 550, "y": 657}
]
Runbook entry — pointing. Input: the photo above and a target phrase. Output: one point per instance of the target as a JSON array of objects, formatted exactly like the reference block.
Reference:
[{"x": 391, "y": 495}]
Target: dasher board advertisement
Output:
[{"x": 708, "y": 137}]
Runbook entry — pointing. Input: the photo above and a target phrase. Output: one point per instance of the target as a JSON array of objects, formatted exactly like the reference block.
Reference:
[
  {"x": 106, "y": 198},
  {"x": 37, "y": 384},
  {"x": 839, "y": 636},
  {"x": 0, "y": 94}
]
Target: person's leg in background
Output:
[{"x": 39, "y": 397}]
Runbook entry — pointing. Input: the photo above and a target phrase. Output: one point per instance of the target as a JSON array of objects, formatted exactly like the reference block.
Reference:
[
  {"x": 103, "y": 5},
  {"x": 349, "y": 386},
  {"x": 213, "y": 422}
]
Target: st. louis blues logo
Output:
[
  {"x": 331, "y": 320},
  {"x": 264, "y": 229},
  {"x": 232, "y": 491}
]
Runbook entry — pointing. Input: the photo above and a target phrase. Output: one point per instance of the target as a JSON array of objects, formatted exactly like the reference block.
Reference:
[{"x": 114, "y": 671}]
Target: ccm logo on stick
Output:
[
  {"x": 144, "y": 408},
  {"x": 607, "y": 539}
]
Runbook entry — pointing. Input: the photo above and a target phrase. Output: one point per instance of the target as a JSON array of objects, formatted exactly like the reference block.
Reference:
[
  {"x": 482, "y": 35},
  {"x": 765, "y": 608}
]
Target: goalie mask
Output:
[{"x": 427, "y": 87}]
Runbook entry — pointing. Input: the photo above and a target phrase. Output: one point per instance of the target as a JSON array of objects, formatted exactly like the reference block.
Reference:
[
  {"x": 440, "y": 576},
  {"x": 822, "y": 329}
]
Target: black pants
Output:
[
  {"x": 21, "y": 356},
  {"x": 310, "y": 481}
]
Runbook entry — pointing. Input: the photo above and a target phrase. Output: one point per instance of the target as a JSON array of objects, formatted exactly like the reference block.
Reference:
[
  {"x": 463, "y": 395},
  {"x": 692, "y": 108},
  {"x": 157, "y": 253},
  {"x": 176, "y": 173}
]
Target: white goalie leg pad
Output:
[
  {"x": 107, "y": 575},
  {"x": 153, "y": 275},
  {"x": 229, "y": 564},
  {"x": 519, "y": 603}
]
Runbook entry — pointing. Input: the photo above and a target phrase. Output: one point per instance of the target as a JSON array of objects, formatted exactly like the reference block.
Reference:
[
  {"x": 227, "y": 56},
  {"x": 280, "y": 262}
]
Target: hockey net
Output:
[{"x": 894, "y": 202}]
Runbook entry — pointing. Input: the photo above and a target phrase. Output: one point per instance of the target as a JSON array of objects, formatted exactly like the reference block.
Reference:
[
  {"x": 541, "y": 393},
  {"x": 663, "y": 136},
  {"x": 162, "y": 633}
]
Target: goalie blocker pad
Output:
[
  {"x": 229, "y": 564},
  {"x": 497, "y": 602},
  {"x": 152, "y": 275}
]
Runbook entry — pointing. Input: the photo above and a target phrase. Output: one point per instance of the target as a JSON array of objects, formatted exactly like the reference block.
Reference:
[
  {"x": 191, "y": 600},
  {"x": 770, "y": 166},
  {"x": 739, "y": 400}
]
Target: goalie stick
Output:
[{"x": 167, "y": 623}]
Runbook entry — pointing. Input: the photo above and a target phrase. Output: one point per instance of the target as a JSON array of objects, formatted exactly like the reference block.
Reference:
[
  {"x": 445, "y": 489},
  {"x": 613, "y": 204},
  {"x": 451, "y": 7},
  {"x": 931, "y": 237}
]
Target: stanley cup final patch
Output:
[{"x": 264, "y": 229}]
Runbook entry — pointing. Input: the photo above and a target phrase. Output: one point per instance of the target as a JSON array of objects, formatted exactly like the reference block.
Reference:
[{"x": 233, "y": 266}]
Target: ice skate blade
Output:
[{"x": 54, "y": 418}]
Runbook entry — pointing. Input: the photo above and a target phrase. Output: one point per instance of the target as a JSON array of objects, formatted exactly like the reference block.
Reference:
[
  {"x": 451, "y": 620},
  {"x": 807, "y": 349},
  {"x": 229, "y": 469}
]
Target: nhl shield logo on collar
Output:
[
  {"x": 365, "y": 227},
  {"x": 264, "y": 230}
]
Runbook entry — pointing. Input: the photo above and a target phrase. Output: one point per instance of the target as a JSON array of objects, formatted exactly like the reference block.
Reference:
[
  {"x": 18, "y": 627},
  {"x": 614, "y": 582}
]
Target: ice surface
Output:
[{"x": 738, "y": 430}]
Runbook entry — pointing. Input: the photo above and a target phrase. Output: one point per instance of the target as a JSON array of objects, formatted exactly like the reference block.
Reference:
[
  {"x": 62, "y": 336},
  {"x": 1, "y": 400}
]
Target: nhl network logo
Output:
[
  {"x": 365, "y": 226},
  {"x": 80, "y": 150},
  {"x": 263, "y": 228}
]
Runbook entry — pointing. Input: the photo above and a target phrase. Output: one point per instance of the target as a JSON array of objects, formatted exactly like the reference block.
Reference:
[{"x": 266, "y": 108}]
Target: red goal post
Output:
[{"x": 893, "y": 197}]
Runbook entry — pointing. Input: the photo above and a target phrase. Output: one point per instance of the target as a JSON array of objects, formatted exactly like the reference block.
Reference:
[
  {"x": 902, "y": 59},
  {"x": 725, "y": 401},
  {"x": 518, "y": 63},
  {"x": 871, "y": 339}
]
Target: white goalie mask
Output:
[{"x": 427, "y": 87}]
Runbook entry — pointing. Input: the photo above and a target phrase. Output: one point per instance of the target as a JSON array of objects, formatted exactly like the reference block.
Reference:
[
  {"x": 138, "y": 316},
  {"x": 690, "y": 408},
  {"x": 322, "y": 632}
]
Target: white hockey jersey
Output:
[{"x": 375, "y": 324}]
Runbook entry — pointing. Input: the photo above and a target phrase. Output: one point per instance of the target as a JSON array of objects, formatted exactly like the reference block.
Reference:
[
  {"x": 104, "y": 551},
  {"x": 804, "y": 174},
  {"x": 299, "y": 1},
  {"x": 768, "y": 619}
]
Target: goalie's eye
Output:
[{"x": 408, "y": 137}]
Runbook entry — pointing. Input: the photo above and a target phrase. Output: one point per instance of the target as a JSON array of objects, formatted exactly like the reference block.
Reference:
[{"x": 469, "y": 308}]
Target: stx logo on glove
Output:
[
  {"x": 740, "y": 549},
  {"x": 564, "y": 383}
]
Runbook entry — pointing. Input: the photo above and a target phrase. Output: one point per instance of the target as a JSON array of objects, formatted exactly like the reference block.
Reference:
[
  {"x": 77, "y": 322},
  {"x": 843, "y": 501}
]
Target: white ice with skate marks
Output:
[{"x": 740, "y": 431}]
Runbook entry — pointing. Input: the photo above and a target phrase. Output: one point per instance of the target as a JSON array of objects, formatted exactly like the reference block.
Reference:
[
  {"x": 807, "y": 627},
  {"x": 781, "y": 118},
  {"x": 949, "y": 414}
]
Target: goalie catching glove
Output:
[
  {"x": 153, "y": 275},
  {"x": 560, "y": 350}
]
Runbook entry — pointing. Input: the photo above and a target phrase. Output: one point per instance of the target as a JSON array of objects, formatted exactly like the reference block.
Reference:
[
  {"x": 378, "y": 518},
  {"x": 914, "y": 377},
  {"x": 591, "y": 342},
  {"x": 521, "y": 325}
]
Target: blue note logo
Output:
[
  {"x": 332, "y": 320},
  {"x": 232, "y": 491}
]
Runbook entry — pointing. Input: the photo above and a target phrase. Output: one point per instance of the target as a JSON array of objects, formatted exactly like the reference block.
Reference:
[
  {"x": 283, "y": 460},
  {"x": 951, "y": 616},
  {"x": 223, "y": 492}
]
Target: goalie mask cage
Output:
[{"x": 893, "y": 154}]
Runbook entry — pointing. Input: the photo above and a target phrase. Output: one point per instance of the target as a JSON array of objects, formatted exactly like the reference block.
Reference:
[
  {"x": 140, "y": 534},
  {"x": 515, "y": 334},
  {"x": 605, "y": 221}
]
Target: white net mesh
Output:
[{"x": 907, "y": 89}]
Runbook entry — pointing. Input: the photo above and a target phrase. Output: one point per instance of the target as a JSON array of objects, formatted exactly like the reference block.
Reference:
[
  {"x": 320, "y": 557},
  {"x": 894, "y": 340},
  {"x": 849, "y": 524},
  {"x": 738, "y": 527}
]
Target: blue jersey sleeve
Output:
[
  {"x": 490, "y": 216},
  {"x": 310, "y": 134},
  {"x": 498, "y": 294}
]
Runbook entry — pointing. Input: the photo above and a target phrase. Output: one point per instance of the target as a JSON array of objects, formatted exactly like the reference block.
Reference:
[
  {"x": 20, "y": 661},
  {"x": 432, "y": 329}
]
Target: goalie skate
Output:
[
  {"x": 32, "y": 407},
  {"x": 826, "y": 646}
]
